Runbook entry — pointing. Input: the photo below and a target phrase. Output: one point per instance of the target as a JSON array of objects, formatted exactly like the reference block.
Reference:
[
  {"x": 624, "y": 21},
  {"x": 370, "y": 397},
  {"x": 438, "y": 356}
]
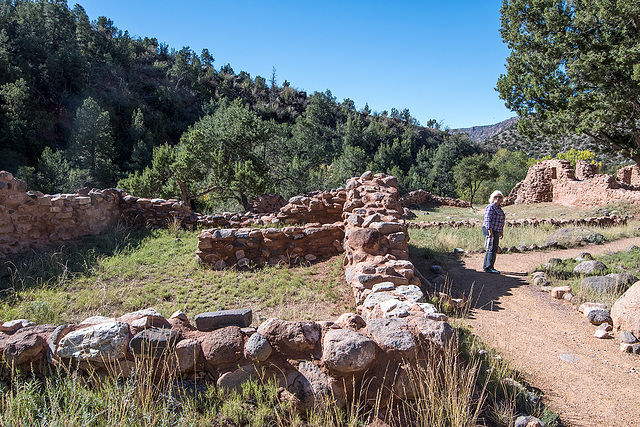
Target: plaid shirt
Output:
[{"x": 494, "y": 218}]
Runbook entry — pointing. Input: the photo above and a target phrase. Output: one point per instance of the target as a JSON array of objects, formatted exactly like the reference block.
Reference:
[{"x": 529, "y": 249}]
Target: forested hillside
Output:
[{"x": 85, "y": 104}]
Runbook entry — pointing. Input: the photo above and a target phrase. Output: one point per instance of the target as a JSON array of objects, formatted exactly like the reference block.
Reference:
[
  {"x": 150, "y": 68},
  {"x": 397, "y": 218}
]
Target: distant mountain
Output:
[
  {"x": 505, "y": 135},
  {"x": 482, "y": 133}
]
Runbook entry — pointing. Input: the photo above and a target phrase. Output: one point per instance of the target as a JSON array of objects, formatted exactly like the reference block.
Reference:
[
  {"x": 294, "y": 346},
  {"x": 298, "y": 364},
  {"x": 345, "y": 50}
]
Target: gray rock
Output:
[
  {"x": 105, "y": 341},
  {"x": 437, "y": 333},
  {"x": 412, "y": 293},
  {"x": 234, "y": 380},
  {"x": 604, "y": 331},
  {"x": 601, "y": 284},
  {"x": 376, "y": 298},
  {"x": 632, "y": 248},
  {"x": 387, "y": 227},
  {"x": 528, "y": 421},
  {"x": 584, "y": 256},
  {"x": 14, "y": 325},
  {"x": 154, "y": 342},
  {"x": 218, "y": 319},
  {"x": 598, "y": 317},
  {"x": 392, "y": 335},
  {"x": 315, "y": 389},
  {"x": 347, "y": 351},
  {"x": 569, "y": 237},
  {"x": 383, "y": 286},
  {"x": 627, "y": 337},
  {"x": 589, "y": 267},
  {"x": 258, "y": 347},
  {"x": 435, "y": 268},
  {"x": 395, "y": 307},
  {"x": 623, "y": 280}
]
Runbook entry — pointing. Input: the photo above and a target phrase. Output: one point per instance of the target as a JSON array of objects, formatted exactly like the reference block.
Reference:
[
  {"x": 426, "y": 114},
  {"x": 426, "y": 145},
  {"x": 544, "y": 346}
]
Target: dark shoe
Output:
[{"x": 493, "y": 271}]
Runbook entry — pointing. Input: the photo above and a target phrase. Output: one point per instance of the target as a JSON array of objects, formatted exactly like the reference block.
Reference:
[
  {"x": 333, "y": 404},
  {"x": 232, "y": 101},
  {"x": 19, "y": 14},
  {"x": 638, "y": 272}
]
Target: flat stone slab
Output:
[{"x": 212, "y": 320}]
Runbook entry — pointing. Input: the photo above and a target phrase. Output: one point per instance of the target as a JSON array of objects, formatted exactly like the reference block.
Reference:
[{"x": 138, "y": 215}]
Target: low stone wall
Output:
[
  {"x": 420, "y": 197},
  {"x": 324, "y": 207},
  {"x": 603, "y": 221},
  {"x": 316, "y": 363},
  {"x": 260, "y": 246}
]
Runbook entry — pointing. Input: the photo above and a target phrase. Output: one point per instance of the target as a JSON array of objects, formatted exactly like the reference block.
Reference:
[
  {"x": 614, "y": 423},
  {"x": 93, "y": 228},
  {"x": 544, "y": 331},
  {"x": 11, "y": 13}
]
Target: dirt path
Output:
[{"x": 588, "y": 381}]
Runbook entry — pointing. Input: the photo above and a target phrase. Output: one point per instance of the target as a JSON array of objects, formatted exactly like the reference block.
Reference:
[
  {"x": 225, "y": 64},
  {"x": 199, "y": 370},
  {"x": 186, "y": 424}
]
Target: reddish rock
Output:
[
  {"x": 224, "y": 345},
  {"x": 28, "y": 345}
]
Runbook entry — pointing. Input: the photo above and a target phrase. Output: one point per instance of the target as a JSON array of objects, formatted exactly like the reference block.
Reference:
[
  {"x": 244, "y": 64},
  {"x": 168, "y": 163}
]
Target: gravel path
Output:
[{"x": 588, "y": 381}]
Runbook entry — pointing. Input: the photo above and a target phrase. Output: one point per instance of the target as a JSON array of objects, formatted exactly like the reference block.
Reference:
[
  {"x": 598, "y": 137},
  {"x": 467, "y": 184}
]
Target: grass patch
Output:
[
  {"x": 432, "y": 243},
  {"x": 143, "y": 268},
  {"x": 438, "y": 213},
  {"x": 561, "y": 274}
]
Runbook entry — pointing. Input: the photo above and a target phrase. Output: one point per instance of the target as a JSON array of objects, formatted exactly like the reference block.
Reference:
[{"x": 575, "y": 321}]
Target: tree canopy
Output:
[{"x": 575, "y": 68}]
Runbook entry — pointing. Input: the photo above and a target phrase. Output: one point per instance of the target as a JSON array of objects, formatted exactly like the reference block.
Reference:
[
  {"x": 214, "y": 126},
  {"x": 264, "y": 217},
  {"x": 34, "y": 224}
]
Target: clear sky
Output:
[{"x": 438, "y": 58}]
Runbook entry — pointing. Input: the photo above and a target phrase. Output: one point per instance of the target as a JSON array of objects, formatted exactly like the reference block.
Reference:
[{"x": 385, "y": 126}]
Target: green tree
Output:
[
  {"x": 575, "y": 68},
  {"x": 512, "y": 167},
  {"x": 219, "y": 155},
  {"x": 471, "y": 172},
  {"x": 92, "y": 143}
]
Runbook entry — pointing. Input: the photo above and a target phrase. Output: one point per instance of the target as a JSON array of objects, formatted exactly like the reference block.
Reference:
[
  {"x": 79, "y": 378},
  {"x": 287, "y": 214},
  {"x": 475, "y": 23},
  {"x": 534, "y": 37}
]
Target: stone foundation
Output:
[{"x": 260, "y": 246}]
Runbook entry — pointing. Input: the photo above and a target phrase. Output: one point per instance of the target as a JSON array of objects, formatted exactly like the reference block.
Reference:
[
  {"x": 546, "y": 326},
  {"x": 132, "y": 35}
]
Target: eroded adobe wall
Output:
[{"x": 556, "y": 181}]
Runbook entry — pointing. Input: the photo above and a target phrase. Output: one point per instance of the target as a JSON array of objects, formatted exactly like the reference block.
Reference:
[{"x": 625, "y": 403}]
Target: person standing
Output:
[{"x": 492, "y": 227}]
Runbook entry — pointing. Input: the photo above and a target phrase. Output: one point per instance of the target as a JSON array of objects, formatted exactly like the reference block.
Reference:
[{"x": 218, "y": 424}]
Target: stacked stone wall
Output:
[
  {"x": 420, "y": 197},
  {"x": 31, "y": 220},
  {"x": 244, "y": 247},
  {"x": 586, "y": 170},
  {"x": 324, "y": 207}
]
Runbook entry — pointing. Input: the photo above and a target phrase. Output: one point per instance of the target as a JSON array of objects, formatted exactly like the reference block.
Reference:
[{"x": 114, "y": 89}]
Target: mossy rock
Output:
[{"x": 569, "y": 237}]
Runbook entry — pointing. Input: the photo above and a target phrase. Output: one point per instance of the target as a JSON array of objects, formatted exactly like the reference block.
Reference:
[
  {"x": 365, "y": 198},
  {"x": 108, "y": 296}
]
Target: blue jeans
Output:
[{"x": 492, "y": 250}]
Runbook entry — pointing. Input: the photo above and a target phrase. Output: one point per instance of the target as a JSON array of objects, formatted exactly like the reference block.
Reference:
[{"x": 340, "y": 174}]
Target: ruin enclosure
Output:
[{"x": 315, "y": 362}]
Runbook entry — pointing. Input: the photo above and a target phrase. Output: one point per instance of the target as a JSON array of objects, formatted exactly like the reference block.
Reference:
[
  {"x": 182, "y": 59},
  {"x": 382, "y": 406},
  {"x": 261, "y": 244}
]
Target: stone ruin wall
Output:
[
  {"x": 32, "y": 220},
  {"x": 313, "y": 362},
  {"x": 558, "y": 182},
  {"x": 420, "y": 197}
]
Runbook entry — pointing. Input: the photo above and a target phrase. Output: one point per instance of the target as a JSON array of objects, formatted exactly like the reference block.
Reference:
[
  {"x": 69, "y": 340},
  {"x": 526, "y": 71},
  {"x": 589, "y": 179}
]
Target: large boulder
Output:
[
  {"x": 626, "y": 311},
  {"x": 345, "y": 350},
  {"x": 315, "y": 389},
  {"x": 102, "y": 342},
  {"x": 154, "y": 342},
  {"x": 393, "y": 336},
  {"x": 569, "y": 237},
  {"x": 293, "y": 339},
  {"x": 588, "y": 268},
  {"x": 223, "y": 345}
]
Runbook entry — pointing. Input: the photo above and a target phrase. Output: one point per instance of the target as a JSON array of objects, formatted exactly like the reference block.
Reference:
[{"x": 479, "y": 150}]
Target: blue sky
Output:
[{"x": 439, "y": 59}]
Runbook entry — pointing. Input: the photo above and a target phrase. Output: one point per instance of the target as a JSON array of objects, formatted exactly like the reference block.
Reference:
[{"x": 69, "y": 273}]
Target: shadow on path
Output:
[{"x": 483, "y": 289}]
